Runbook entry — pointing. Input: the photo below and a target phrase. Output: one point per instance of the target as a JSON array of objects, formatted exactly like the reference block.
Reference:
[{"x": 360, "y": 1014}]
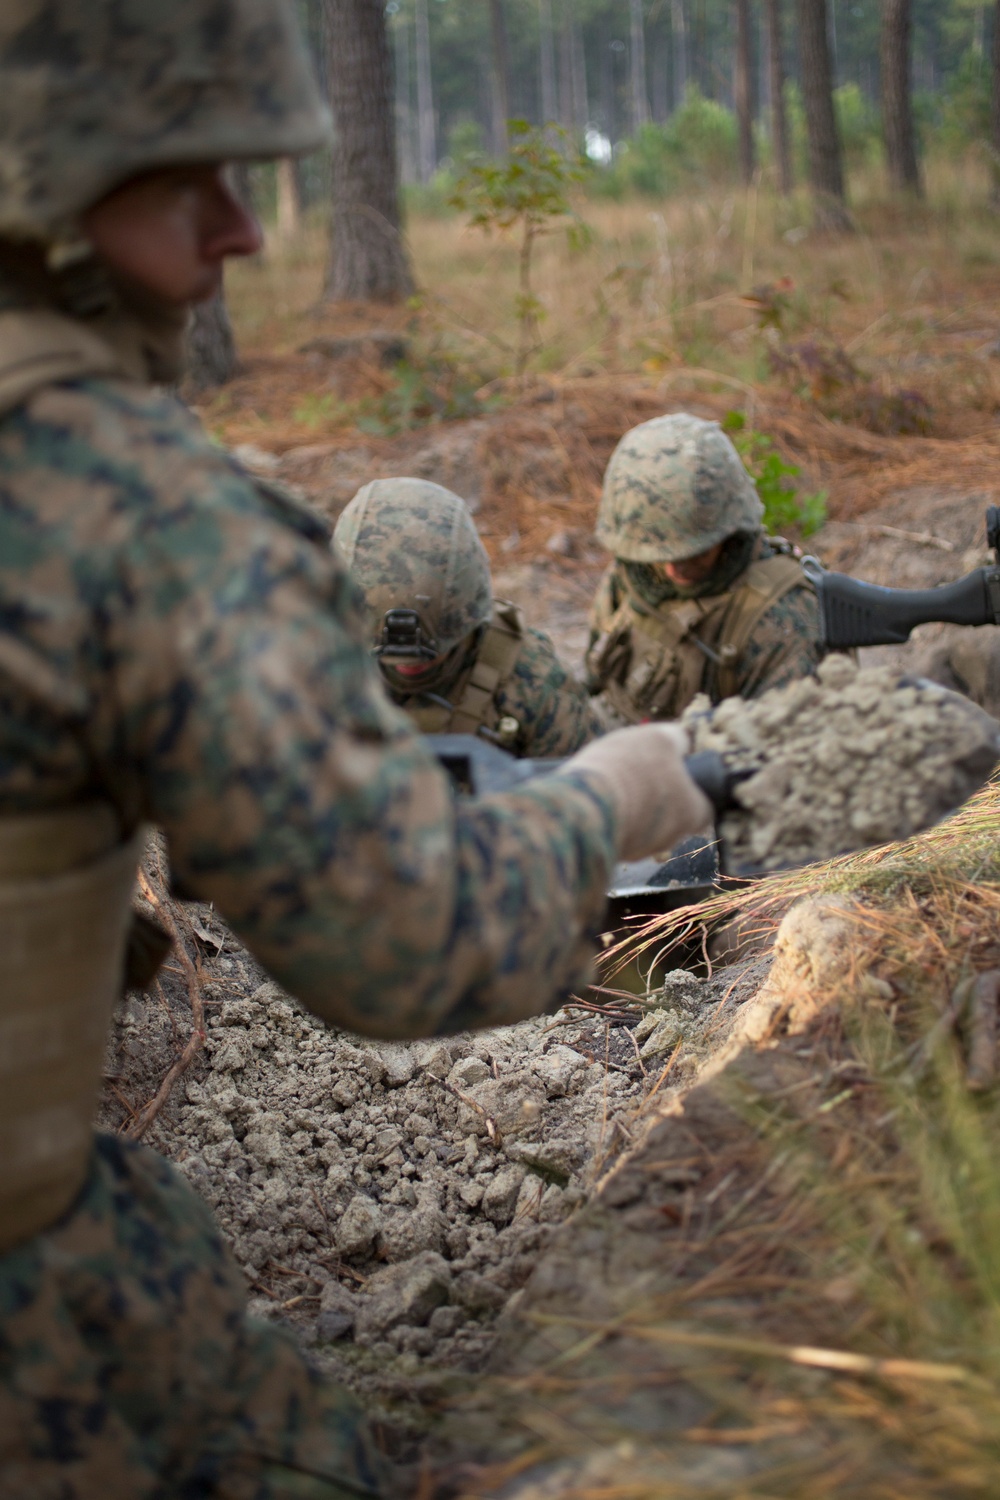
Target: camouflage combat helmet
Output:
[
  {"x": 416, "y": 555},
  {"x": 94, "y": 93},
  {"x": 673, "y": 488}
]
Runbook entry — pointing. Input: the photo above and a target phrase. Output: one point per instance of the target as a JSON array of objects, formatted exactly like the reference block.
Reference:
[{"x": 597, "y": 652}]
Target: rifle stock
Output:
[{"x": 854, "y": 613}]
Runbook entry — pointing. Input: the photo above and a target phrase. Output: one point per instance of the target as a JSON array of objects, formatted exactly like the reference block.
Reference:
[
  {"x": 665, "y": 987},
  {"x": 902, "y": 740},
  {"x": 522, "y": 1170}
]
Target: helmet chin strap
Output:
[{"x": 437, "y": 679}]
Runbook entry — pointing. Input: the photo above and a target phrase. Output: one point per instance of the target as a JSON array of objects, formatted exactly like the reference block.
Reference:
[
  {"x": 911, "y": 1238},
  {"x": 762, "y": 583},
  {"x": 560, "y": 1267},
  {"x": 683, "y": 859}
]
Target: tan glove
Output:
[{"x": 642, "y": 772}]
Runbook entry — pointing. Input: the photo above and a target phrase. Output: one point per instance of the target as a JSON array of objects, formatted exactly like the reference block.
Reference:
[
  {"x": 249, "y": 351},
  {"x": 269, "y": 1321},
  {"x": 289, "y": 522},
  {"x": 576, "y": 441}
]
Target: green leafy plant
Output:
[
  {"x": 784, "y": 505},
  {"x": 436, "y": 389},
  {"x": 528, "y": 193}
]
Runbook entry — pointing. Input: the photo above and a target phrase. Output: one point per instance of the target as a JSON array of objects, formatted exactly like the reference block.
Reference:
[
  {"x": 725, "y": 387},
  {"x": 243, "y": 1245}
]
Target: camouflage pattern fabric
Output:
[
  {"x": 674, "y": 486},
  {"x": 784, "y": 645},
  {"x": 553, "y": 710},
  {"x": 92, "y": 94},
  {"x": 128, "y": 1367},
  {"x": 170, "y": 641},
  {"x": 551, "y": 706},
  {"x": 413, "y": 545}
]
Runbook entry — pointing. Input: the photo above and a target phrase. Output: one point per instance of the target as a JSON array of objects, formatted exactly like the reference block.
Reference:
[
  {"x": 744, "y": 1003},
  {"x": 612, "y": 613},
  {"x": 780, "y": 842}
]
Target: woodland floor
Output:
[{"x": 628, "y": 1254}]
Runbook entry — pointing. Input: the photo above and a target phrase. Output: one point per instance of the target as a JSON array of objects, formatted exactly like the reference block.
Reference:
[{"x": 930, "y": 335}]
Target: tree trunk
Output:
[
  {"x": 211, "y": 349},
  {"x": 995, "y": 108},
  {"x": 659, "y": 75},
  {"x": 742, "y": 91},
  {"x": 546, "y": 63},
  {"x": 289, "y": 199},
  {"x": 826, "y": 170},
  {"x": 500, "y": 78},
  {"x": 405, "y": 154},
  {"x": 678, "y": 27},
  {"x": 897, "y": 100},
  {"x": 368, "y": 260},
  {"x": 426, "y": 141},
  {"x": 639, "y": 103},
  {"x": 578, "y": 75},
  {"x": 779, "y": 119}
]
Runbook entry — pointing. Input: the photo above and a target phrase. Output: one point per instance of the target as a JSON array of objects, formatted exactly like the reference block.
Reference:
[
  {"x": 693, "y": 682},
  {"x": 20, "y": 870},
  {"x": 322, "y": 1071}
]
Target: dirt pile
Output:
[
  {"x": 852, "y": 757},
  {"x": 390, "y": 1199}
]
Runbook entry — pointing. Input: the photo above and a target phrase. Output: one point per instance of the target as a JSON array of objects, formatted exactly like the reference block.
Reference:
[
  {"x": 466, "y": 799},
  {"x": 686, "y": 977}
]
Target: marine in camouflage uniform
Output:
[
  {"x": 675, "y": 490},
  {"x": 457, "y": 660},
  {"x": 178, "y": 646}
]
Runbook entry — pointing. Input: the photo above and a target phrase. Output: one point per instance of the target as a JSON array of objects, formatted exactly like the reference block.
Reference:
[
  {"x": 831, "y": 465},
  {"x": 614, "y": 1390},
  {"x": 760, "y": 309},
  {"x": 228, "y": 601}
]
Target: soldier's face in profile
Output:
[
  {"x": 690, "y": 571},
  {"x": 169, "y": 231}
]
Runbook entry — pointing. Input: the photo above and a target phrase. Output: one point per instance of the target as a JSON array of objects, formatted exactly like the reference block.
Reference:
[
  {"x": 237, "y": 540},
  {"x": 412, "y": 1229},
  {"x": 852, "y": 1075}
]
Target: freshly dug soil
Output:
[
  {"x": 851, "y": 758},
  {"x": 387, "y": 1199}
]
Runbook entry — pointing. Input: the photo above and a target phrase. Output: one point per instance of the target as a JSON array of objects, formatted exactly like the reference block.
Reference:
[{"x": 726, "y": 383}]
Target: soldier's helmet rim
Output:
[
  {"x": 89, "y": 100},
  {"x": 673, "y": 488},
  {"x": 411, "y": 544}
]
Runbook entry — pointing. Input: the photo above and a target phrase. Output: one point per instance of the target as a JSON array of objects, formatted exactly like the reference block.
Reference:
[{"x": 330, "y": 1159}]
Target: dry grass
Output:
[
  {"x": 830, "y": 1289},
  {"x": 653, "y": 314}
]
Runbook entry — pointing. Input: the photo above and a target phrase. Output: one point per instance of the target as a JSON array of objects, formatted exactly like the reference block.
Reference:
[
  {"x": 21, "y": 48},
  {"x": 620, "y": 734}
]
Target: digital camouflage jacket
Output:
[
  {"x": 173, "y": 638},
  {"x": 761, "y": 631}
]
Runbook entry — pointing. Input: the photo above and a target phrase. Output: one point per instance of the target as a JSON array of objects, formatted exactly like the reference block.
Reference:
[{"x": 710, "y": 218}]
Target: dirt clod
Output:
[{"x": 852, "y": 757}]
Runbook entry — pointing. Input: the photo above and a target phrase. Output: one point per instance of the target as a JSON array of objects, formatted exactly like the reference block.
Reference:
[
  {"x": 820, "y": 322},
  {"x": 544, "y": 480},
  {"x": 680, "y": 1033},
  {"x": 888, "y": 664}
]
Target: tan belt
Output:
[{"x": 65, "y": 886}]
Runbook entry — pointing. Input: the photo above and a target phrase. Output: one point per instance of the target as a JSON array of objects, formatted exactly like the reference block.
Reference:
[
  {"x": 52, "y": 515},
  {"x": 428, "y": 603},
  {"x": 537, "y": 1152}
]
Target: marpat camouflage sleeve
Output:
[
  {"x": 784, "y": 646},
  {"x": 553, "y": 708},
  {"x": 167, "y": 639}
]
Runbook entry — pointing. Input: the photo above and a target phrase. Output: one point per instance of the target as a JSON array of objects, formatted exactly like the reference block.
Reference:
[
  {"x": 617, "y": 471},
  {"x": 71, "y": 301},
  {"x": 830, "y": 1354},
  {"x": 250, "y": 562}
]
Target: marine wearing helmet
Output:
[
  {"x": 180, "y": 647},
  {"x": 698, "y": 599},
  {"x": 454, "y": 658}
]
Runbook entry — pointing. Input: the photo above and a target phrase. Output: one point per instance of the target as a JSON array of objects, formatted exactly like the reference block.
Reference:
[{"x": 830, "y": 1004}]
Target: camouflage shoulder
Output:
[
  {"x": 784, "y": 646},
  {"x": 551, "y": 705}
]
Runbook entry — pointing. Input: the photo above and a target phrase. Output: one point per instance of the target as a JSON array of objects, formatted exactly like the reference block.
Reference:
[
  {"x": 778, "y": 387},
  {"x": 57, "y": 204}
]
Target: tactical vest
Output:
[
  {"x": 650, "y": 663},
  {"x": 472, "y": 706}
]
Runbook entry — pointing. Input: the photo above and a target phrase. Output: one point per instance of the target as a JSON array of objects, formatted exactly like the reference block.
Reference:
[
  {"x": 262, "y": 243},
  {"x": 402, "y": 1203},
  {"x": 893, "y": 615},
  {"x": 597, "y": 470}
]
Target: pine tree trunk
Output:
[
  {"x": 639, "y": 103},
  {"x": 500, "y": 78},
  {"x": 995, "y": 108},
  {"x": 546, "y": 63},
  {"x": 578, "y": 76},
  {"x": 742, "y": 91},
  {"x": 426, "y": 133},
  {"x": 405, "y": 154},
  {"x": 211, "y": 348},
  {"x": 678, "y": 27},
  {"x": 826, "y": 169},
  {"x": 368, "y": 260},
  {"x": 779, "y": 118},
  {"x": 897, "y": 101},
  {"x": 289, "y": 199}
]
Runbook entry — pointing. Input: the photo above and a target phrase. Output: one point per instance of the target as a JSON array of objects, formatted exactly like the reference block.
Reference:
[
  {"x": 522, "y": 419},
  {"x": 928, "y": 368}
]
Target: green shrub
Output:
[
  {"x": 784, "y": 506},
  {"x": 964, "y": 110},
  {"x": 859, "y": 124},
  {"x": 697, "y": 144}
]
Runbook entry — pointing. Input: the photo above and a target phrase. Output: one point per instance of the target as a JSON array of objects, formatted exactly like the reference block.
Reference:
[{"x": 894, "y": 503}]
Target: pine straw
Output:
[
  {"x": 817, "y": 1311},
  {"x": 542, "y": 455}
]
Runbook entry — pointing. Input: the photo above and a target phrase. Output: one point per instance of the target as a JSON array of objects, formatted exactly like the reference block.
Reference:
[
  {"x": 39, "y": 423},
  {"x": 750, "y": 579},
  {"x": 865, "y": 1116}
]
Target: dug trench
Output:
[{"x": 578, "y": 1211}]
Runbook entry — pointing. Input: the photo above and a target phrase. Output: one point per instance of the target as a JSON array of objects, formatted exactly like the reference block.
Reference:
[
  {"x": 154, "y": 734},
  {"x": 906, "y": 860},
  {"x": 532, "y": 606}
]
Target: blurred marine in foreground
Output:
[{"x": 179, "y": 647}]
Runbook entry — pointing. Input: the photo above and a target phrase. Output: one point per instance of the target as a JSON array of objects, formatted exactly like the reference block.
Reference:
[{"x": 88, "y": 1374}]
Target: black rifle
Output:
[{"x": 854, "y": 613}]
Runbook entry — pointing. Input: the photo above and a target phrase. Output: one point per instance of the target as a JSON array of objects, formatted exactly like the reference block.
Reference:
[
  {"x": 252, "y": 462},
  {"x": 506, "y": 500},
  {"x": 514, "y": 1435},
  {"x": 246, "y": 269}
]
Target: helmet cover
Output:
[
  {"x": 92, "y": 94},
  {"x": 412, "y": 546},
  {"x": 674, "y": 487}
]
